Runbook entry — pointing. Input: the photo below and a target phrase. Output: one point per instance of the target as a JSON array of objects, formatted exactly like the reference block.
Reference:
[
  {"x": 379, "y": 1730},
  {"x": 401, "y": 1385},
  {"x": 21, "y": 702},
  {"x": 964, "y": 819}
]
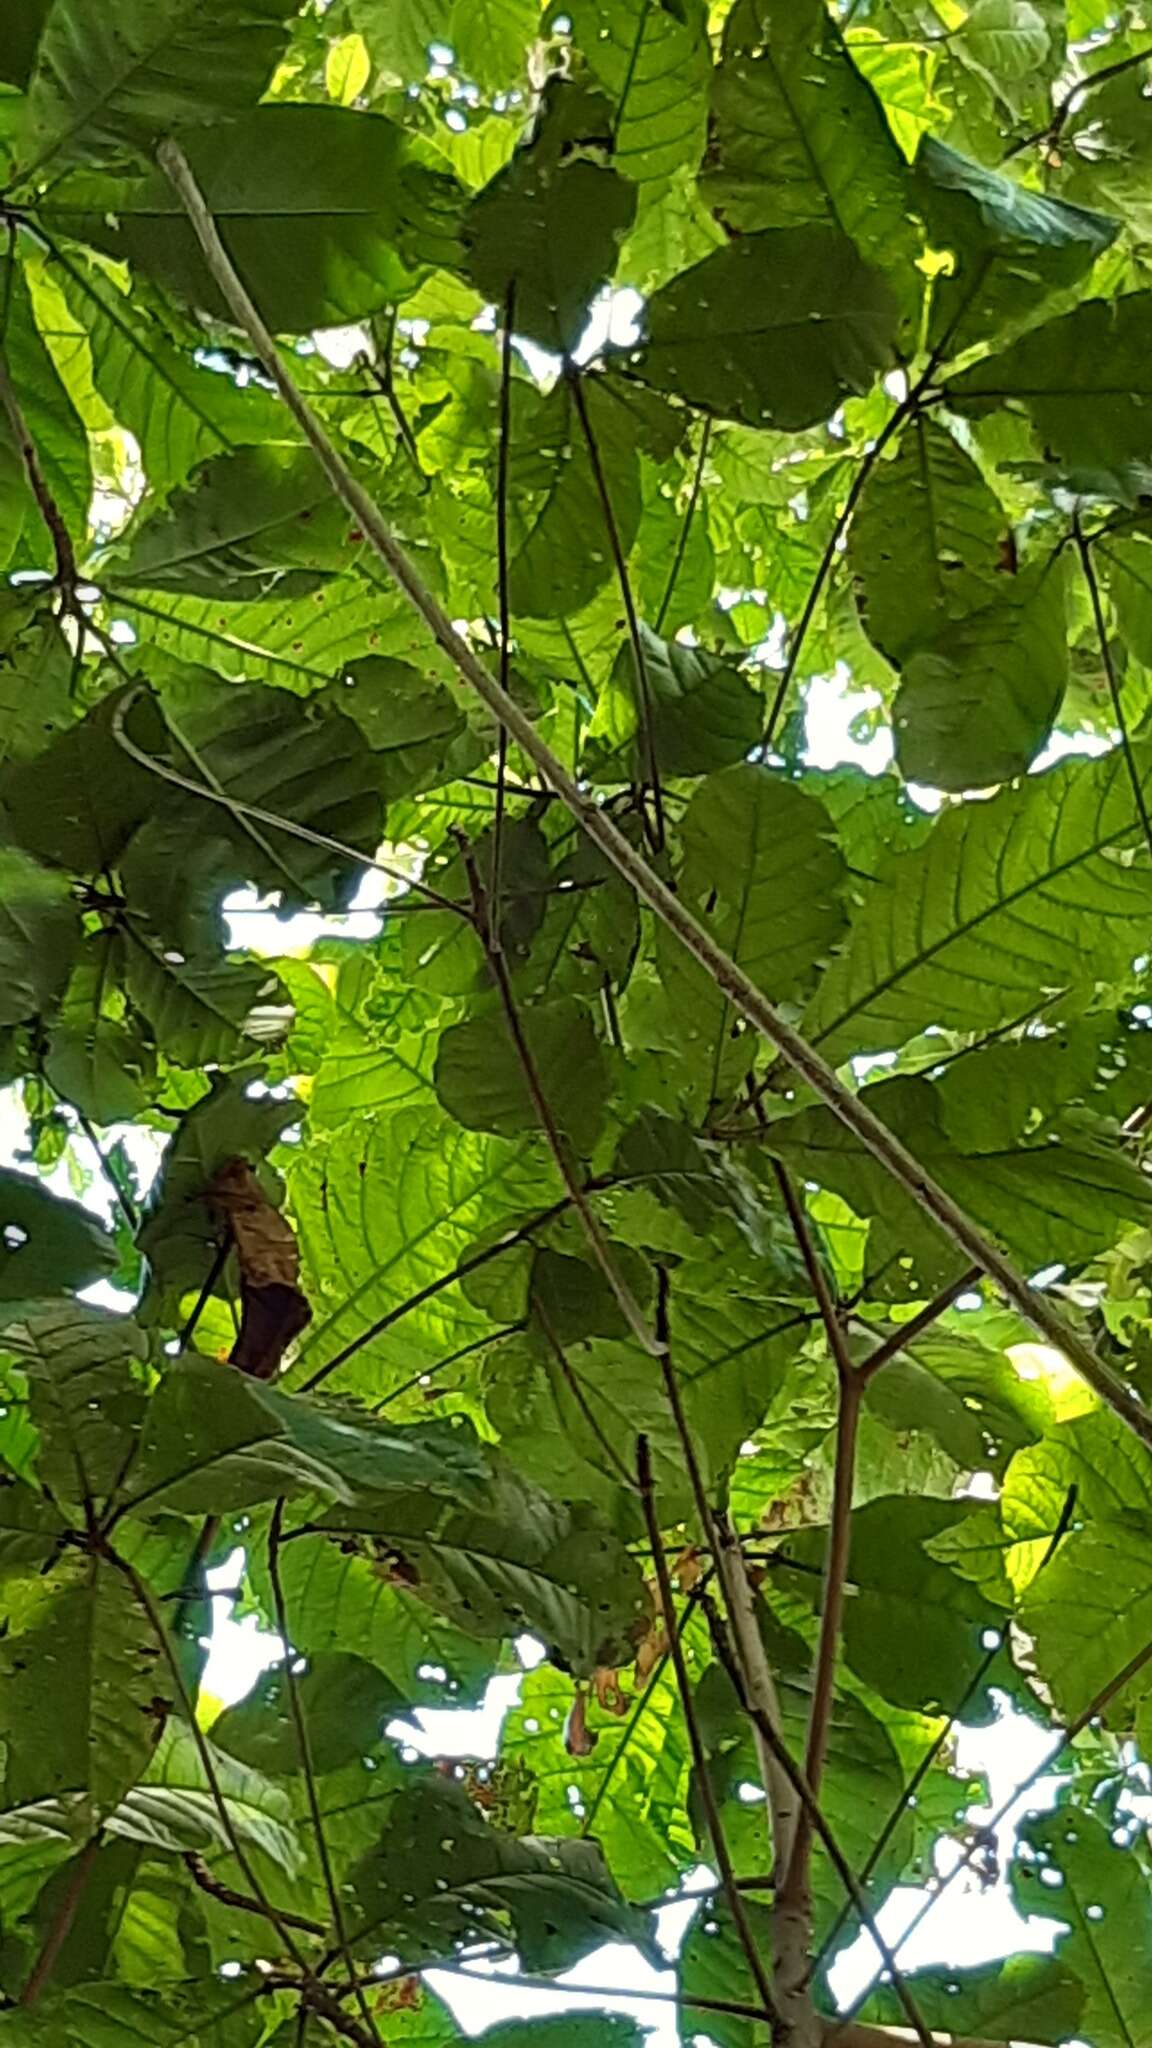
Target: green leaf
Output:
[
  {"x": 86, "y": 1393},
  {"x": 1098, "y": 1891},
  {"x": 1011, "y": 248},
  {"x": 1038, "y": 1998},
  {"x": 204, "y": 2014},
  {"x": 174, "y": 1808},
  {"x": 400, "y": 33},
  {"x": 251, "y": 522},
  {"x": 179, "y": 1234},
  {"x": 344, "y": 1701},
  {"x": 549, "y": 225},
  {"x": 80, "y": 1693},
  {"x": 510, "y": 1559},
  {"x": 913, "y": 1628},
  {"x": 975, "y": 705},
  {"x": 47, "y": 1245},
  {"x": 144, "y": 367},
  {"x": 761, "y": 865},
  {"x": 21, "y": 31},
  {"x": 258, "y": 1443},
  {"x": 329, "y": 215},
  {"x": 440, "y": 1857},
  {"x": 480, "y": 1078},
  {"x": 491, "y": 38},
  {"x": 35, "y": 678},
  {"x": 1001, "y": 896},
  {"x": 1084, "y": 379},
  {"x": 125, "y": 77},
  {"x": 77, "y": 803},
  {"x": 1056, "y": 1201},
  {"x": 653, "y": 62},
  {"x": 39, "y": 932},
  {"x": 554, "y": 501},
  {"x": 57, "y": 432},
  {"x": 774, "y": 330},
  {"x": 690, "y": 710},
  {"x": 410, "y": 721},
  {"x": 929, "y": 545},
  {"x": 799, "y": 138}
]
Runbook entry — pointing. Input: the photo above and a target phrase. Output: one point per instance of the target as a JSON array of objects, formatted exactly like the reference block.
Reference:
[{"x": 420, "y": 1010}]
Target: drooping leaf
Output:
[
  {"x": 799, "y": 138},
  {"x": 653, "y": 63},
  {"x": 328, "y": 213},
  {"x": 1011, "y": 247},
  {"x": 39, "y": 930},
  {"x": 83, "y": 1693},
  {"x": 558, "y": 1895},
  {"x": 548, "y": 226},
  {"x": 48, "y": 1245},
  {"x": 124, "y": 78},
  {"x": 86, "y": 1393},
  {"x": 687, "y": 710},
  {"x": 774, "y": 330},
  {"x": 481, "y": 1081}
]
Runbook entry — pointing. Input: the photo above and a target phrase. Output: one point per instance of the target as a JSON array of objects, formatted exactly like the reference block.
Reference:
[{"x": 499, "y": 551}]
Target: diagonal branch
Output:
[
  {"x": 907, "y": 1333},
  {"x": 853, "y": 1112},
  {"x": 720, "y": 1850},
  {"x": 67, "y": 573},
  {"x": 1088, "y": 567}
]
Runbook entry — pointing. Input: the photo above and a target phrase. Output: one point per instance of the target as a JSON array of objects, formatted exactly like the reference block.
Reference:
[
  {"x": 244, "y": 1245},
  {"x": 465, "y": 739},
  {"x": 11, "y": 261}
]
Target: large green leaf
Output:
[
  {"x": 328, "y": 214},
  {"x": 930, "y": 543},
  {"x": 689, "y": 710},
  {"x": 1011, "y": 248},
  {"x": 799, "y": 138},
  {"x": 480, "y": 1077},
  {"x": 1056, "y": 1201},
  {"x": 1040, "y": 1998},
  {"x": 774, "y": 330},
  {"x": 201, "y": 2014},
  {"x": 39, "y": 930},
  {"x": 444, "y": 1875},
  {"x": 1085, "y": 380},
  {"x": 999, "y": 898},
  {"x": 86, "y": 1393},
  {"x": 48, "y": 1245},
  {"x": 203, "y": 1013},
  {"x": 124, "y": 77},
  {"x": 1098, "y": 1892},
  {"x": 82, "y": 1692},
  {"x": 58, "y": 437},
  {"x": 549, "y": 230},
  {"x": 385, "y": 1208},
  {"x": 977, "y": 702},
  {"x": 654, "y": 64},
  {"x": 761, "y": 865}
]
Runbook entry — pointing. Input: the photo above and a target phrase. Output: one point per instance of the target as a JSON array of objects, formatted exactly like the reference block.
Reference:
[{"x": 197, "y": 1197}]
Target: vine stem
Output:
[
  {"x": 876, "y": 1138},
  {"x": 67, "y": 573},
  {"x": 558, "y": 1145},
  {"x": 62, "y": 1920},
  {"x": 1089, "y": 571},
  {"x": 720, "y": 1850}
]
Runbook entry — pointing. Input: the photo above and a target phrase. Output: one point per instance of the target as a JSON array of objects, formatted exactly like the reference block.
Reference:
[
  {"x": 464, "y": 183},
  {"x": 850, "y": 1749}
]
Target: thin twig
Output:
[
  {"x": 685, "y": 524},
  {"x": 495, "y": 888},
  {"x": 720, "y": 1850},
  {"x": 1089, "y": 569},
  {"x": 558, "y": 1145},
  {"x": 240, "y": 1902},
  {"x": 304, "y": 1753},
  {"x": 120, "y": 1194},
  {"x": 917, "y": 1324},
  {"x": 731, "y": 2006},
  {"x": 643, "y": 686},
  {"x": 62, "y": 1921},
  {"x": 428, "y": 1372},
  {"x": 67, "y": 573},
  {"x": 459, "y": 1271},
  {"x": 1071, "y": 100},
  {"x": 850, "y": 1109}
]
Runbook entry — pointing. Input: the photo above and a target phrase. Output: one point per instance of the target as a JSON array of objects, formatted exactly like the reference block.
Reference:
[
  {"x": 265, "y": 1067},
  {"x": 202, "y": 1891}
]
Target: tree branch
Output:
[
  {"x": 67, "y": 573},
  {"x": 62, "y": 1921},
  {"x": 720, "y": 1850},
  {"x": 891, "y": 1346},
  {"x": 852, "y": 1111},
  {"x": 1089, "y": 571}
]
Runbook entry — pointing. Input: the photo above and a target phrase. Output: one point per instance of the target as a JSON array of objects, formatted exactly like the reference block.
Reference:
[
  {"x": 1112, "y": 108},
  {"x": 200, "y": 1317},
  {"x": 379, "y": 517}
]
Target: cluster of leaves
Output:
[{"x": 498, "y": 1279}]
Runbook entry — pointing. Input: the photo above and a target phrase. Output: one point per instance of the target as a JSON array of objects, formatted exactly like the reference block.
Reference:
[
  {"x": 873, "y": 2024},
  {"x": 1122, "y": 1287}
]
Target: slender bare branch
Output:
[
  {"x": 1088, "y": 567},
  {"x": 916, "y": 1325},
  {"x": 67, "y": 573},
  {"x": 720, "y": 1850},
  {"x": 61, "y": 1924},
  {"x": 851, "y": 1109}
]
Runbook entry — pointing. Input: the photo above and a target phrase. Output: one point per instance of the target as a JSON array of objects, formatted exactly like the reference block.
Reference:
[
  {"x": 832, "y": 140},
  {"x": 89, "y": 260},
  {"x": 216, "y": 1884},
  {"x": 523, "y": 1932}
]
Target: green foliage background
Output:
[{"x": 599, "y": 1288}]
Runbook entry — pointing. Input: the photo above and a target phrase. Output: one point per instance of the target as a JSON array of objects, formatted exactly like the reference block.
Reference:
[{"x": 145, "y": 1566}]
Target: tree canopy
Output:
[{"x": 690, "y": 1206}]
